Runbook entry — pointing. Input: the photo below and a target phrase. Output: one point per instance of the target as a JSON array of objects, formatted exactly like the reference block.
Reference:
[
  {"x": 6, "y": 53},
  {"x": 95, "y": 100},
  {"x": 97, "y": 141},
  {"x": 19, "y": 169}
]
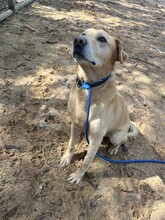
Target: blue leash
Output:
[{"x": 88, "y": 86}]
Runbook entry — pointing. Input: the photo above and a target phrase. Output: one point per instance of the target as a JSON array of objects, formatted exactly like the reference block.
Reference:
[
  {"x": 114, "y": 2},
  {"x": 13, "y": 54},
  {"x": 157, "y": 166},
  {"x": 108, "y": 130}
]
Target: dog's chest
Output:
[{"x": 77, "y": 106}]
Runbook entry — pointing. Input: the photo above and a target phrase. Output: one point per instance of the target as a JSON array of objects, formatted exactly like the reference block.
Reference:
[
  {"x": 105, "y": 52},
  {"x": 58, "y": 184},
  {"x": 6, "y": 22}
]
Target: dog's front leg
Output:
[
  {"x": 92, "y": 150},
  {"x": 65, "y": 160}
]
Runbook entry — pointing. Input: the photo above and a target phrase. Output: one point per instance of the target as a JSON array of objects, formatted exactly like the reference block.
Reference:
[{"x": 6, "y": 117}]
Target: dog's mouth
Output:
[{"x": 79, "y": 56}]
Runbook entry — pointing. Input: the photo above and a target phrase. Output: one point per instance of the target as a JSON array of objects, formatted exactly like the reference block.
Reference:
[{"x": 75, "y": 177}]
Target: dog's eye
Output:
[
  {"x": 102, "y": 39},
  {"x": 83, "y": 33}
]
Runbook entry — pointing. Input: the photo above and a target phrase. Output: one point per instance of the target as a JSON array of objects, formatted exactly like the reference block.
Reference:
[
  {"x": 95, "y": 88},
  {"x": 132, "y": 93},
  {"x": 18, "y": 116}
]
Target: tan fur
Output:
[{"x": 108, "y": 112}]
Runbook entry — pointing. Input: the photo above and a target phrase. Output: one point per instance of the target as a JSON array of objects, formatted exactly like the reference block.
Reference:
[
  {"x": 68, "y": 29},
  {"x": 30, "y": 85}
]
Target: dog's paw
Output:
[
  {"x": 75, "y": 177},
  {"x": 113, "y": 151},
  {"x": 65, "y": 160}
]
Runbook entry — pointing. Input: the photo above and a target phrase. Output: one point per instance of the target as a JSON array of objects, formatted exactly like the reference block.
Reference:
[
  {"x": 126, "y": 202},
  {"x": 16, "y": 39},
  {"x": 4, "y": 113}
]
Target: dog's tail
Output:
[{"x": 133, "y": 130}]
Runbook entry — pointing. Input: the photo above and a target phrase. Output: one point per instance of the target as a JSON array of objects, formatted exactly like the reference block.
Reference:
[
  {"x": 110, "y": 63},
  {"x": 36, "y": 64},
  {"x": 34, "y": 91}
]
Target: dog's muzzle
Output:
[{"x": 78, "y": 46}]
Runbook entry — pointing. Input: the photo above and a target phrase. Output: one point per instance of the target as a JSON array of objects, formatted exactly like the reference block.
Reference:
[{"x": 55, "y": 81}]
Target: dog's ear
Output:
[{"x": 121, "y": 55}]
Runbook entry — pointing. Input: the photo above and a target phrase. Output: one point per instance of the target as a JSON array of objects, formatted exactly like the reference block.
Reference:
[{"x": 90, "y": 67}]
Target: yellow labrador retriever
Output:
[{"x": 96, "y": 53}]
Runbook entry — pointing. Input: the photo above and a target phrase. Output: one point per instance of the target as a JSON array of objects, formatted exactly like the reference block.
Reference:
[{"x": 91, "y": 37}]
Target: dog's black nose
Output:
[{"x": 80, "y": 40}]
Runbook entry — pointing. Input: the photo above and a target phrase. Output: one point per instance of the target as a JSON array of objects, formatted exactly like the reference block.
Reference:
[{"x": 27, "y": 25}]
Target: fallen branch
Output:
[
  {"x": 11, "y": 68},
  {"x": 5, "y": 15},
  {"x": 136, "y": 58},
  {"x": 143, "y": 97},
  {"x": 14, "y": 7}
]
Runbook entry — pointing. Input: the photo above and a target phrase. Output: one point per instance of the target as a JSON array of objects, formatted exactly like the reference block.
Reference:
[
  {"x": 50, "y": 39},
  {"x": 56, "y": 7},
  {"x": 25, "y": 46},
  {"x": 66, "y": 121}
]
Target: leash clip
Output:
[
  {"x": 79, "y": 82},
  {"x": 85, "y": 86}
]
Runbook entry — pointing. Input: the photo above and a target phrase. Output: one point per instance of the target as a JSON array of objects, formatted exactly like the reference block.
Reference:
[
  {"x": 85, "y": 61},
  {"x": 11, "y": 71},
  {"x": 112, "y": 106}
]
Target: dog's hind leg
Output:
[
  {"x": 65, "y": 160},
  {"x": 115, "y": 149},
  {"x": 121, "y": 136},
  {"x": 117, "y": 139},
  {"x": 133, "y": 131}
]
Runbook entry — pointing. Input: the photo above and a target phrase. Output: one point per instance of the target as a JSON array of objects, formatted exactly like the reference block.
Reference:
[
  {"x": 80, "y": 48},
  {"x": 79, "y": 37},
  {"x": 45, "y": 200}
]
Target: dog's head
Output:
[{"x": 97, "y": 48}]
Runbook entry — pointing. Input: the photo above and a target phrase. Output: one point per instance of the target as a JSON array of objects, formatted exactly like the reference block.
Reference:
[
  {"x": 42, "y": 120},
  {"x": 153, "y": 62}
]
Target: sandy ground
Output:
[{"x": 36, "y": 74}]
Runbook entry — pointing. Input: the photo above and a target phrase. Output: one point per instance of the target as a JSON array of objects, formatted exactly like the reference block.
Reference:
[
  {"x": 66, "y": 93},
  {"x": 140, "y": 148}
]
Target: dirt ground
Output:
[{"x": 36, "y": 74}]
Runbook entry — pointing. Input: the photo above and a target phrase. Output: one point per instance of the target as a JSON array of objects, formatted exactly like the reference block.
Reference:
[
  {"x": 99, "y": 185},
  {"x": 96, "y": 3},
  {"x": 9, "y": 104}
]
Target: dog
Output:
[{"x": 96, "y": 53}]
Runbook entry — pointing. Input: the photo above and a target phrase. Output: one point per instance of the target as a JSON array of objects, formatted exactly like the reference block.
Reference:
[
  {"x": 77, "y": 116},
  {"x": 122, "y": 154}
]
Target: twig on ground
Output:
[
  {"x": 136, "y": 58},
  {"x": 143, "y": 97}
]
